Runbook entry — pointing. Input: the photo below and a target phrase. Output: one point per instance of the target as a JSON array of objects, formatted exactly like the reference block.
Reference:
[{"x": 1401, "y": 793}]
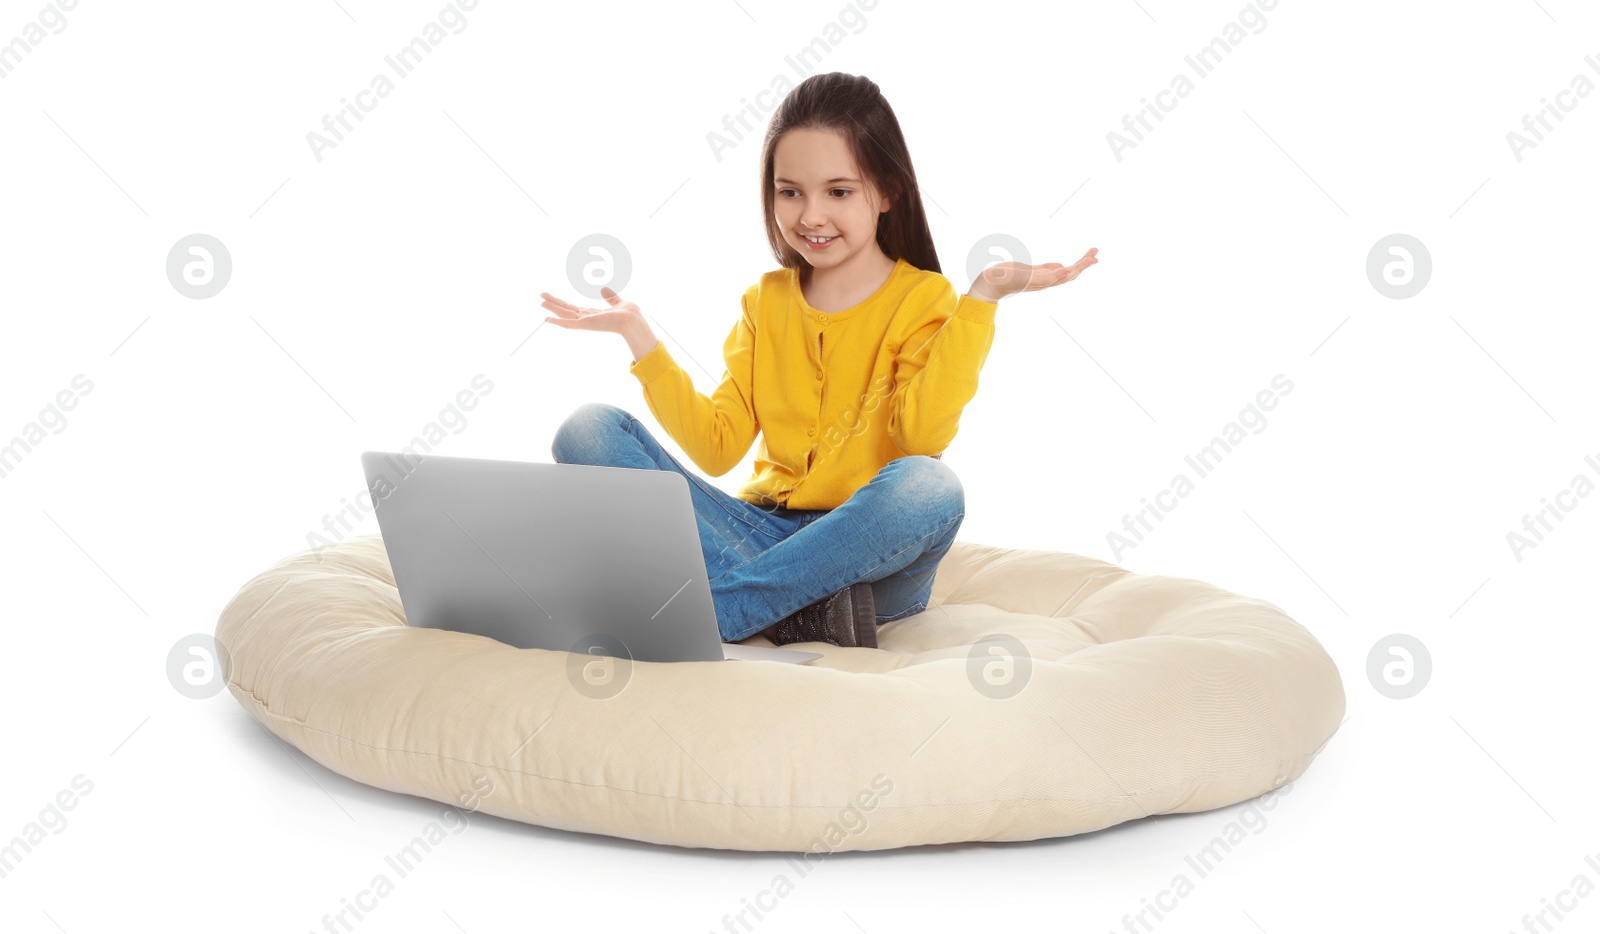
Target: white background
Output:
[{"x": 368, "y": 289}]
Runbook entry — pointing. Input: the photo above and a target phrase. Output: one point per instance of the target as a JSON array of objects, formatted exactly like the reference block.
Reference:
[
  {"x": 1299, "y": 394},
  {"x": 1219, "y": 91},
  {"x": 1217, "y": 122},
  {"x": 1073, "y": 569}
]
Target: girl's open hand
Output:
[
  {"x": 616, "y": 319},
  {"x": 1004, "y": 279}
]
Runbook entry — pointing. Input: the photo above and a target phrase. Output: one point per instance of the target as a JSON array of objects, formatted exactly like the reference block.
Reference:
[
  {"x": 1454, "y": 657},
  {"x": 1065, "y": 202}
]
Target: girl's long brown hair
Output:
[{"x": 853, "y": 106}]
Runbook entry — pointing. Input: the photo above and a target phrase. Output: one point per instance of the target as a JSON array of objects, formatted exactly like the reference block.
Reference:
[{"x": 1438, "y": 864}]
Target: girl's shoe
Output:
[{"x": 846, "y": 618}]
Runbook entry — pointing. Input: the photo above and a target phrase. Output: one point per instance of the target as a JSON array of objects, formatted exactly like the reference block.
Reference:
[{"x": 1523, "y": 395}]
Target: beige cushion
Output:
[{"x": 1139, "y": 695}]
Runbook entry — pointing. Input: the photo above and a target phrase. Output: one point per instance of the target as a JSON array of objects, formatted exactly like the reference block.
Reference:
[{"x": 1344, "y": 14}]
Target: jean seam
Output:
[
  {"x": 959, "y": 516},
  {"x": 938, "y": 533},
  {"x": 916, "y": 608}
]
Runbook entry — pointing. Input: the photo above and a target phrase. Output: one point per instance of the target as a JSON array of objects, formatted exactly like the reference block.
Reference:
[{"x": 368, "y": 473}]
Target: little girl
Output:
[{"x": 853, "y": 361}]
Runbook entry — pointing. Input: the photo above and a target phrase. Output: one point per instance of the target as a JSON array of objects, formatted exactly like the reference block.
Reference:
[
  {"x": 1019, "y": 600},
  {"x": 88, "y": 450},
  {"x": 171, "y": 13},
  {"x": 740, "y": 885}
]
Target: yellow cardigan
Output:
[{"x": 835, "y": 396}]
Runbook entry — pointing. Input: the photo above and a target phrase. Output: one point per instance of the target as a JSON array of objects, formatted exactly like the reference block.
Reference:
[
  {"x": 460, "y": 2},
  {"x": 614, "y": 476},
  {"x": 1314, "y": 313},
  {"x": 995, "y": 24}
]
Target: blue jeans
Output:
[{"x": 764, "y": 562}]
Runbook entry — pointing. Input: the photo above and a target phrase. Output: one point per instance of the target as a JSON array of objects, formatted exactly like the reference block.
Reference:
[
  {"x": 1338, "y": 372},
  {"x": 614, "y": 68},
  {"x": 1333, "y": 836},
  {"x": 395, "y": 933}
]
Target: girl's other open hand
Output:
[
  {"x": 1004, "y": 279},
  {"x": 617, "y": 318}
]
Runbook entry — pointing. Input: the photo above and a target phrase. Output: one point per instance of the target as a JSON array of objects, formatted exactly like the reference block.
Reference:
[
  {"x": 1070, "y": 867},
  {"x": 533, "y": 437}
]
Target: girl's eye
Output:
[{"x": 787, "y": 191}]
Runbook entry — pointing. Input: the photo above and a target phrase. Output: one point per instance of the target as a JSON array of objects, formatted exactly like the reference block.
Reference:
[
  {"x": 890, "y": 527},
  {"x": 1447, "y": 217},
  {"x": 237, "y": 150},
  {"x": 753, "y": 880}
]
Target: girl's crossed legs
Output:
[{"x": 766, "y": 563}]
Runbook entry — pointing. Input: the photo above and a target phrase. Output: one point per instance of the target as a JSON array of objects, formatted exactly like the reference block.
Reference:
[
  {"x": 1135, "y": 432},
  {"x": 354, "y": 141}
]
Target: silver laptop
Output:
[{"x": 565, "y": 557}]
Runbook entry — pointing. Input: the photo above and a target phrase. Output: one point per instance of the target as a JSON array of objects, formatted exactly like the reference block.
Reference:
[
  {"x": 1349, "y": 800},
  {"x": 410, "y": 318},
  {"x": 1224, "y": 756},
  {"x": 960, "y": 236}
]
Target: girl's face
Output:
[{"x": 821, "y": 193}]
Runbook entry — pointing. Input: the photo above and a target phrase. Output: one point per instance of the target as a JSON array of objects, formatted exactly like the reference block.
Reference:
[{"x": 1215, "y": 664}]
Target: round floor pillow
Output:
[{"x": 1041, "y": 694}]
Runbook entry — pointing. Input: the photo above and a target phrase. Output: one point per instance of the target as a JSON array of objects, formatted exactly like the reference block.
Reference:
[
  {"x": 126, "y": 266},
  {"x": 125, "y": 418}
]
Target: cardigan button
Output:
[{"x": 811, "y": 432}]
